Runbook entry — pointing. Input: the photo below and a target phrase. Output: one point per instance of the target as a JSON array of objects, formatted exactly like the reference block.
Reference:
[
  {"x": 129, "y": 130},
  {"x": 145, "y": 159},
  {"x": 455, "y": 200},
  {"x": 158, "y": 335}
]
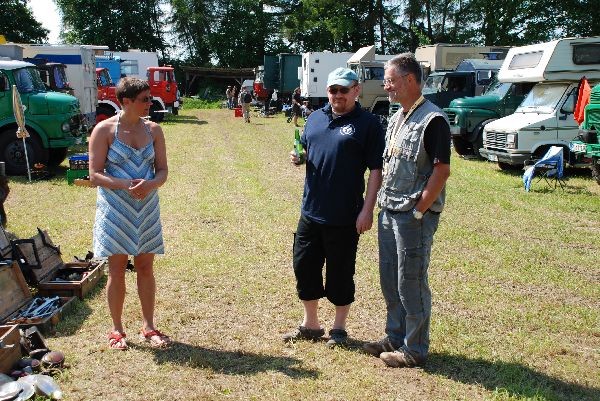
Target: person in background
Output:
[
  {"x": 245, "y": 100},
  {"x": 296, "y": 103},
  {"x": 411, "y": 198},
  {"x": 341, "y": 142},
  {"x": 229, "y": 95},
  {"x": 128, "y": 163}
]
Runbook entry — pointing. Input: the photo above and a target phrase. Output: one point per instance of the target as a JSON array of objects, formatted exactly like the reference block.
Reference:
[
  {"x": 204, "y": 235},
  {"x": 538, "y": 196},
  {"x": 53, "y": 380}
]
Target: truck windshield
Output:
[
  {"x": 433, "y": 84},
  {"x": 104, "y": 78},
  {"x": 543, "y": 98},
  {"x": 28, "y": 80},
  {"x": 499, "y": 89},
  {"x": 60, "y": 77}
]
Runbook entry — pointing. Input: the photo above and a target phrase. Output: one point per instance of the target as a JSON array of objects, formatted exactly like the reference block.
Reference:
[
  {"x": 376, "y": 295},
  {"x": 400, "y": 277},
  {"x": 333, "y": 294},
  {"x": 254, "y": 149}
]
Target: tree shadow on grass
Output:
[
  {"x": 187, "y": 119},
  {"x": 229, "y": 362},
  {"x": 513, "y": 379}
]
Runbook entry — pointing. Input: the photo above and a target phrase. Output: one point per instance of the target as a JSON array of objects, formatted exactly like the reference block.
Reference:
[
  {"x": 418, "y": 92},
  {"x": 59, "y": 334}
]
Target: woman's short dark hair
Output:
[
  {"x": 405, "y": 63},
  {"x": 130, "y": 88}
]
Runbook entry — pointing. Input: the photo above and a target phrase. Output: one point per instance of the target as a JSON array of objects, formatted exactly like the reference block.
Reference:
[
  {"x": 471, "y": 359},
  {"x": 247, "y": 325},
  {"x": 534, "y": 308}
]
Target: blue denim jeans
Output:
[{"x": 404, "y": 252}]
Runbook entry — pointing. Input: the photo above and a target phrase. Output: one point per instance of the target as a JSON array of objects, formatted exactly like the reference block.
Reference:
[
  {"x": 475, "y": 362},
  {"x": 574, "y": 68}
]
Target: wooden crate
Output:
[
  {"x": 41, "y": 263},
  {"x": 15, "y": 297},
  {"x": 10, "y": 352}
]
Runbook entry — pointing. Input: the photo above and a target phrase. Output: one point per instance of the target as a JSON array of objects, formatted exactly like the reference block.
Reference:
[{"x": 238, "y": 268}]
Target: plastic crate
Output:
[
  {"x": 79, "y": 162},
  {"x": 72, "y": 175},
  {"x": 237, "y": 112}
]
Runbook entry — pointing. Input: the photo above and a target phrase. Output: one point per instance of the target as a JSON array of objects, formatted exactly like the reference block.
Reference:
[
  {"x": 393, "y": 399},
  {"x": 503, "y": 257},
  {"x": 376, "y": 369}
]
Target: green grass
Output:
[
  {"x": 190, "y": 103},
  {"x": 514, "y": 277}
]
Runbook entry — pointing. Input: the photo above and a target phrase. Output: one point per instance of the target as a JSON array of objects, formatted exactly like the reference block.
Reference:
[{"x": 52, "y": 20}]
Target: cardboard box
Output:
[
  {"x": 10, "y": 347},
  {"x": 16, "y": 297},
  {"x": 41, "y": 263}
]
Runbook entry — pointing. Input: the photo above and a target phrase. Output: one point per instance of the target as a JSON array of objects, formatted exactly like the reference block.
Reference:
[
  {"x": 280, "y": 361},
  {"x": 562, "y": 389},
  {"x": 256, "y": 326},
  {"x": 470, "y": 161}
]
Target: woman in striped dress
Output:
[{"x": 128, "y": 163}]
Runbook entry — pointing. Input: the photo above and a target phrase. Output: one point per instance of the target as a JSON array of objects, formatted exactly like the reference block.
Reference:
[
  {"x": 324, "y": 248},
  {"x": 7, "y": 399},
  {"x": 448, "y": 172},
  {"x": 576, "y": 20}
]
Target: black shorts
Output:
[
  {"x": 296, "y": 109},
  {"x": 316, "y": 244}
]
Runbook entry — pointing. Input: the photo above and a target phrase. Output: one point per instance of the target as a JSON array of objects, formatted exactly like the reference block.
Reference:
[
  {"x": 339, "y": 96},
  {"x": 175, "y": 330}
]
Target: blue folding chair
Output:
[{"x": 549, "y": 167}]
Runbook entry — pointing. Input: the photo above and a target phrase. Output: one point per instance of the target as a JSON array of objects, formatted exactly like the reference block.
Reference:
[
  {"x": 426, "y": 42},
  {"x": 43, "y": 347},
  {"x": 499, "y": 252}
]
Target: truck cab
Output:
[
  {"x": 545, "y": 117},
  {"x": 52, "y": 119},
  {"x": 108, "y": 104},
  {"x": 469, "y": 115},
  {"x": 163, "y": 88}
]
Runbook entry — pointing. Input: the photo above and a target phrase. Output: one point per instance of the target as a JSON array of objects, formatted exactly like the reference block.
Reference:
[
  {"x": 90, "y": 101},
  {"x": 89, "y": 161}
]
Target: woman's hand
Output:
[{"x": 139, "y": 188}]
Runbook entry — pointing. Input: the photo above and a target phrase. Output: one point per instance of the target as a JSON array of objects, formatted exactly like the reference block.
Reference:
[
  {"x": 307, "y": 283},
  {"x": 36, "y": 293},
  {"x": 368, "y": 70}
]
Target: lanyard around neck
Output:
[{"x": 397, "y": 129}]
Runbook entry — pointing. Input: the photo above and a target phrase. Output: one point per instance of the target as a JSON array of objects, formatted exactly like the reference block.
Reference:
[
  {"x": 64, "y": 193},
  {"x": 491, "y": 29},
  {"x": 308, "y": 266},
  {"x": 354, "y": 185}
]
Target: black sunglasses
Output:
[
  {"x": 144, "y": 99},
  {"x": 342, "y": 89}
]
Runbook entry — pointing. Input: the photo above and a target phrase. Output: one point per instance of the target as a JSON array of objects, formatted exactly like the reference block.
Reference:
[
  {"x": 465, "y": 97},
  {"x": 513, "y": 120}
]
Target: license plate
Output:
[
  {"x": 455, "y": 131},
  {"x": 578, "y": 147},
  {"x": 493, "y": 158}
]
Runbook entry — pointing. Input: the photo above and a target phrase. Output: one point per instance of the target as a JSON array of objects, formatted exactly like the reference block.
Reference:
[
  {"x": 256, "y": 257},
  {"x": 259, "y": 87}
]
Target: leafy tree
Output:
[
  {"x": 190, "y": 21},
  {"x": 18, "y": 23},
  {"x": 119, "y": 24}
]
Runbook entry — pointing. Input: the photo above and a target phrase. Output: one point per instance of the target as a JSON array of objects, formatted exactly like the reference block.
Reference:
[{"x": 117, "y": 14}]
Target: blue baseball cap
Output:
[{"x": 341, "y": 76}]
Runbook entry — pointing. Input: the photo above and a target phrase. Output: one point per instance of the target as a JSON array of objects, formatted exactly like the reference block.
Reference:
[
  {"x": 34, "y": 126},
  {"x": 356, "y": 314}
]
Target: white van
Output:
[{"x": 545, "y": 117}]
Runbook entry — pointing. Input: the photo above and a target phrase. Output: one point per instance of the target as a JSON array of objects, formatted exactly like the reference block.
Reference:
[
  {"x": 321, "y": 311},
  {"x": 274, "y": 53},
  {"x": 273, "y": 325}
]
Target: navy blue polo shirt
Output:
[{"x": 339, "y": 151}]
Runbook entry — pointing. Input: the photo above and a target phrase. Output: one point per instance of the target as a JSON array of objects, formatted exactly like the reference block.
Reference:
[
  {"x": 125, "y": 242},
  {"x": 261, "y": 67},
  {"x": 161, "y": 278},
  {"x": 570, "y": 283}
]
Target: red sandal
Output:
[
  {"x": 116, "y": 340},
  {"x": 155, "y": 338}
]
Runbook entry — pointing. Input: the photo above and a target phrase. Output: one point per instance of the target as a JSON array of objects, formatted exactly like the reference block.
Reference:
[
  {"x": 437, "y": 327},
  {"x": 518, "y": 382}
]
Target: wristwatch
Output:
[{"x": 417, "y": 215}]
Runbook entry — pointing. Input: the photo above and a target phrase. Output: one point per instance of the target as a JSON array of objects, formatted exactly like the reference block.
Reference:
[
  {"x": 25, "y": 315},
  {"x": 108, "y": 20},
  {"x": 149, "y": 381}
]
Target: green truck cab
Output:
[
  {"x": 52, "y": 119},
  {"x": 468, "y": 115},
  {"x": 586, "y": 147}
]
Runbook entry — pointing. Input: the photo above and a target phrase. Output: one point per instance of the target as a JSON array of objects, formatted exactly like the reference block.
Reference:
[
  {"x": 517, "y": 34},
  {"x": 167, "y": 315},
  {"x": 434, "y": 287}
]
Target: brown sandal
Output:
[
  {"x": 155, "y": 338},
  {"x": 116, "y": 340}
]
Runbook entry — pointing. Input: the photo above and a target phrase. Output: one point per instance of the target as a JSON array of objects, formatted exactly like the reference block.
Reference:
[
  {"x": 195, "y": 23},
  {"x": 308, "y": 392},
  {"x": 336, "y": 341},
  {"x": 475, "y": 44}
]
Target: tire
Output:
[
  {"x": 382, "y": 112},
  {"x": 13, "y": 155},
  {"x": 461, "y": 146},
  {"x": 508, "y": 167},
  {"x": 56, "y": 156},
  {"x": 154, "y": 113},
  {"x": 595, "y": 167},
  {"x": 104, "y": 112}
]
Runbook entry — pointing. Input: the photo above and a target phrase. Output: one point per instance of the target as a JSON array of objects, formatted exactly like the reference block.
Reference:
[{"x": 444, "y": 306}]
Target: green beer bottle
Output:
[{"x": 298, "y": 146}]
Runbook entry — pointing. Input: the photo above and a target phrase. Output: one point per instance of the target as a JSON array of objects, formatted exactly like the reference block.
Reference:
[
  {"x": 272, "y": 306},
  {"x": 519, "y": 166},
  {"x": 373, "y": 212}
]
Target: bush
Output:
[{"x": 193, "y": 103}]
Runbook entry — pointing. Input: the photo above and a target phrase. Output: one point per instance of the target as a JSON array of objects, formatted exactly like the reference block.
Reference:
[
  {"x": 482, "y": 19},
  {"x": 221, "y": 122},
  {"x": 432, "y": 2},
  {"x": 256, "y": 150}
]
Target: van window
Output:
[
  {"x": 569, "y": 105},
  {"x": 543, "y": 98},
  {"x": 485, "y": 77},
  {"x": 129, "y": 67},
  {"x": 525, "y": 60},
  {"x": 586, "y": 54},
  {"x": 374, "y": 73}
]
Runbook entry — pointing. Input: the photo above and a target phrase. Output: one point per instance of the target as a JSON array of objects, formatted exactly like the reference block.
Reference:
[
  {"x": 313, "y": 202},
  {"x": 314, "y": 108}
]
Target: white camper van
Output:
[
  {"x": 81, "y": 71},
  {"x": 445, "y": 57},
  {"x": 545, "y": 117},
  {"x": 315, "y": 68}
]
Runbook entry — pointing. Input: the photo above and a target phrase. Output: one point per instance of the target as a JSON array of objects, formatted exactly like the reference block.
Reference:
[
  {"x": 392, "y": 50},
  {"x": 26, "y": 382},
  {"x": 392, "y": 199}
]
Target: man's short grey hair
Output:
[{"x": 405, "y": 63}]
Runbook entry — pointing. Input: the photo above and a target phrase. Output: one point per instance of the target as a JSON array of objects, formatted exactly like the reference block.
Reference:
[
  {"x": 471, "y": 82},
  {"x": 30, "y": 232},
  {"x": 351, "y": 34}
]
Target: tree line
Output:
[{"x": 238, "y": 33}]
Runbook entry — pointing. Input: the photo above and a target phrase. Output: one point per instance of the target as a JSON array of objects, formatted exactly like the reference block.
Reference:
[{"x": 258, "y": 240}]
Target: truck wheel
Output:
[
  {"x": 154, "y": 113},
  {"x": 382, "y": 112},
  {"x": 13, "y": 154},
  {"x": 478, "y": 143},
  {"x": 56, "y": 156},
  {"x": 596, "y": 170},
  {"x": 104, "y": 112},
  {"x": 461, "y": 146}
]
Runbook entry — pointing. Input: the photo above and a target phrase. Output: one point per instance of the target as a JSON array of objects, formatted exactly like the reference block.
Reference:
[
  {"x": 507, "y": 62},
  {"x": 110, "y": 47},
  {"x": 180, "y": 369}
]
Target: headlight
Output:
[
  {"x": 65, "y": 127},
  {"x": 511, "y": 141}
]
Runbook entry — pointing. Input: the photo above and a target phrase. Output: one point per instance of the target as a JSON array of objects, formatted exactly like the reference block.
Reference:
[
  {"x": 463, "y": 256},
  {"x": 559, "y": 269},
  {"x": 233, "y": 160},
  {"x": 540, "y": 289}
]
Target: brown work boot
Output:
[
  {"x": 400, "y": 359},
  {"x": 304, "y": 333},
  {"x": 376, "y": 348}
]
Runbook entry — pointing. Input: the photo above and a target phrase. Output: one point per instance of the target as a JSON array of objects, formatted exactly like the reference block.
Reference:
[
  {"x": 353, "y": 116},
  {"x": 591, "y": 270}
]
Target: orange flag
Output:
[{"x": 583, "y": 98}]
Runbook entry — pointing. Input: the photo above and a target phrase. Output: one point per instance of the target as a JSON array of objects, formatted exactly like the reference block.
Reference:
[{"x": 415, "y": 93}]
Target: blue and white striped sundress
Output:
[{"x": 125, "y": 225}]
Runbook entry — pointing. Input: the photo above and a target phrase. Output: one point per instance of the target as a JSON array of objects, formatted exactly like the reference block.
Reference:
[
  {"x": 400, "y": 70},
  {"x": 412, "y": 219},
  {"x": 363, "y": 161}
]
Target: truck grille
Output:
[
  {"x": 495, "y": 139},
  {"x": 75, "y": 125},
  {"x": 451, "y": 117}
]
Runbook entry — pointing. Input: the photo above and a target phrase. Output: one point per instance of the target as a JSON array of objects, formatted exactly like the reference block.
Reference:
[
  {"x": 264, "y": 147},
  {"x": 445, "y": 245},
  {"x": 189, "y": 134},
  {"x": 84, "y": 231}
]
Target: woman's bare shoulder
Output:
[{"x": 105, "y": 127}]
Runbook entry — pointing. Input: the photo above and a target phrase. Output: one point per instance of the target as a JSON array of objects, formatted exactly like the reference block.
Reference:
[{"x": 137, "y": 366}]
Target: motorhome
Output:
[
  {"x": 81, "y": 71},
  {"x": 135, "y": 63},
  {"x": 545, "y": 117},
  {"x": 446, "y": 57},
  {"x": 315, "y": 68}
]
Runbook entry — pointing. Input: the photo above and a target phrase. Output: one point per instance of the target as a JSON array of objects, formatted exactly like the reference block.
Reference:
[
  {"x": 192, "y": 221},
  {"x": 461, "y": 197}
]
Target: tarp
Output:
[{"x": 583, "y": 99}]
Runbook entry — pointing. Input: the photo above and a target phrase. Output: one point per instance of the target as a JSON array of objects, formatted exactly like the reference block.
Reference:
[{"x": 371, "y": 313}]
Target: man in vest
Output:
[
  {"x": 341, "y": 141},
  {"x": 416, "y": 165}
]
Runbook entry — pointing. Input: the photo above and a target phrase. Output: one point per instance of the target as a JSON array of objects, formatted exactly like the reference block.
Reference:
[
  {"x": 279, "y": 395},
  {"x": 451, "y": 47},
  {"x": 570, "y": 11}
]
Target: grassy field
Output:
[{"x": 514, "y": 275}]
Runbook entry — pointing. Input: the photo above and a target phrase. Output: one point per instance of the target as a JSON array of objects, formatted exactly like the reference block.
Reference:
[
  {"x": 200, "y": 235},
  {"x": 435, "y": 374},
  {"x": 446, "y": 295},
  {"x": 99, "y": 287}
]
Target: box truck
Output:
[{"x": 314, "y": 70}]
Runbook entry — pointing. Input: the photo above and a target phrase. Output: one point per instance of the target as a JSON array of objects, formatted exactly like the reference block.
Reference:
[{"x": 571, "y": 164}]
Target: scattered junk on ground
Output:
[{"x": 36, "y": 290}]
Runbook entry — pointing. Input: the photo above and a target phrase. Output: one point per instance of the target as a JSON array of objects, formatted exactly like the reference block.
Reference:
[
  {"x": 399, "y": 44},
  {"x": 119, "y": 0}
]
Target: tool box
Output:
[
  {"x": 43, "y": 268},
  {"x": 10, "y": 347},
  {"x": 15, "y": 297}
]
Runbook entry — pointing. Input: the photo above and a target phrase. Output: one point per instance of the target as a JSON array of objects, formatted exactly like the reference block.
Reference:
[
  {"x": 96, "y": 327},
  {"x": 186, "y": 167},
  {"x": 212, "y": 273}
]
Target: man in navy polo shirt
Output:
[{"x": 341, "y": 141}]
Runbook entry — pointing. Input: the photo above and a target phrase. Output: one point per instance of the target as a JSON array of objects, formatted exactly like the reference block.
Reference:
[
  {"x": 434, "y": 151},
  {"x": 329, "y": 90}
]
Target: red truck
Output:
[{"x": 163, "y": 89}]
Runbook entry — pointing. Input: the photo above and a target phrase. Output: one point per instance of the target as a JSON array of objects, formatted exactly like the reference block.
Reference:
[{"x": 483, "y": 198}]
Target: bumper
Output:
[{"x": 515, "y": 159}]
